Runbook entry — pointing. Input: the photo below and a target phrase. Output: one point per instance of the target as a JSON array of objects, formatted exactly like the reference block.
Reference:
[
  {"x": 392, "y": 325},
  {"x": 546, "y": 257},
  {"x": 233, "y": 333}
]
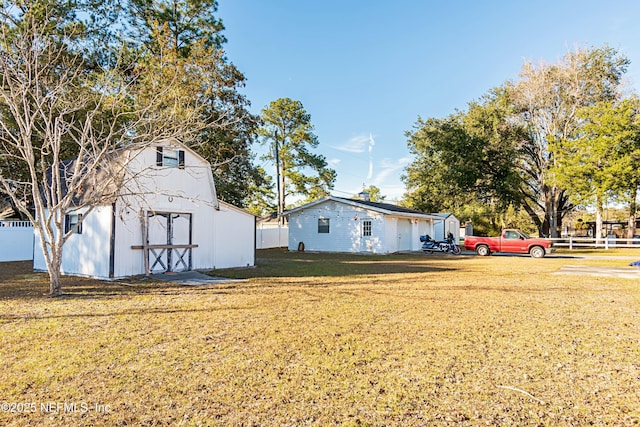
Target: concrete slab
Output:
[
  {"x": 624, "y": 272},
  {"x": 193, "y": 278}
]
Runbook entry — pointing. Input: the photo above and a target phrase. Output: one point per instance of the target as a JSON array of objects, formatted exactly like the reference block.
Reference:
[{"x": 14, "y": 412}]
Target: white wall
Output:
[
  {"x": 85, "y": 254},
  {"x": 225, "y": 236},
  {"x": 234, "y": 237},
  {"x": 16, "y": 241},
  {"x": 344, "y": 229},
  {"x": 423, "y": 227},
  {"x": 389, "y": 233},
  {"x": 446, "y": 225}
]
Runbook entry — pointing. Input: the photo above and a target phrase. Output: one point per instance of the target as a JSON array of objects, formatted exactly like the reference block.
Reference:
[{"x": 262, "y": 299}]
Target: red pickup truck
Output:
[{"x": 511, "y": 241}]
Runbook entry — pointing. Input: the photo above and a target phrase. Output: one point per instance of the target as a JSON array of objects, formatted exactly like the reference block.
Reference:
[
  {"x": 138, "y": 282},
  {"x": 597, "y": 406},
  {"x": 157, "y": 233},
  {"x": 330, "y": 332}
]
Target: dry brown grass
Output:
[{"x": 315, "y": 339}]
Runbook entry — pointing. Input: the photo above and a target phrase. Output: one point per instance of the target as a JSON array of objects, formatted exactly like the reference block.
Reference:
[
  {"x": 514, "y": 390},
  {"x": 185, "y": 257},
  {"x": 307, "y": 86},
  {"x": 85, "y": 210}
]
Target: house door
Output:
[
  {"x": 169, "y": 241},
  {"x": 366, "y": 231},
  {"x": 404, "y": 234}
]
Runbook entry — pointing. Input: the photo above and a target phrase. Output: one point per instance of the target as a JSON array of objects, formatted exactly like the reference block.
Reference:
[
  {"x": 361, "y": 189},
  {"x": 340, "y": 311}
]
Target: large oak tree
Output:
[{"x": 501, "y": 150}]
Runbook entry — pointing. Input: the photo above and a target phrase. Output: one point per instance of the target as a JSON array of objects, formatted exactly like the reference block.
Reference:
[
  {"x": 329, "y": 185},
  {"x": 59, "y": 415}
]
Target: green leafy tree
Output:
[
  {"x": 288, "y": 130},
  {"x": 501, "y": 150},
  {"x": 604, "y": 161},
  {"x": 546, "y": 99},
  {"x": 188, "y": 22},
  {"x": 65, "y": 34},
  {"x": 430, "y": 178},
  {"x": 190, "y": 33},
  {"x": 467, "y": 157}
]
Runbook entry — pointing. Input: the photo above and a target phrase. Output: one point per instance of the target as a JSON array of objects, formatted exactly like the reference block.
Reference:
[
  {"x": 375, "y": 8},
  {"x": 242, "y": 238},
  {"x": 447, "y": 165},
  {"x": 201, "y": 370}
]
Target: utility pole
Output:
[{"x": 280, "y": 198}]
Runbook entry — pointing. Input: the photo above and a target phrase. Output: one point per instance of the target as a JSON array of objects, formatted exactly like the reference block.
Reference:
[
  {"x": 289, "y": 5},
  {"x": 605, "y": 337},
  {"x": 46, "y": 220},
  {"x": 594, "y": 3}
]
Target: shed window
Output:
[
  {"x": 170, "y": 158},
  {"x": 366, "y": 227},
  {"x": 323, "y": 225},
  {"x": 73, "y": 222}
]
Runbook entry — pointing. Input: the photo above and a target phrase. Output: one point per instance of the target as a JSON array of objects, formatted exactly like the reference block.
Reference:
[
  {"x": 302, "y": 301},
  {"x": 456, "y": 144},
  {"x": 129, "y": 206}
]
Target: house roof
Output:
[
  {"x": 444, "y": 215},
  {"x": 385, "y": 208},
  {"x": 96, "y": 186},
  {"x": 236, "y": 208}
]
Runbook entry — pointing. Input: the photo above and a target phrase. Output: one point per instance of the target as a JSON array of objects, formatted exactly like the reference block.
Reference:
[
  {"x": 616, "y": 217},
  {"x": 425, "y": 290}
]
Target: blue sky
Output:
[{"x": 365, "y": 70}]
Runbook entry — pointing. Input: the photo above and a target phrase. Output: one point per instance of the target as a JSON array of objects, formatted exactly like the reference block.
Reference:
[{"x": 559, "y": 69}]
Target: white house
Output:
[
  {"x": 336, "y": 224},
  {"x": 446, "y": 223},
  {"x": 167, "y": 219}
]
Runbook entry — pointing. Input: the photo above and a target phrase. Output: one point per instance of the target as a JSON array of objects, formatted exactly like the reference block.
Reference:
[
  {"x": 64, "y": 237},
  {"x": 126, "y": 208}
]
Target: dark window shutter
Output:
[
  {"x": 158, "y": 156},
  {"x": 181, "y": 159},
  {"x": 67, "y": 221},
  {"x": 79, "y": 227}
]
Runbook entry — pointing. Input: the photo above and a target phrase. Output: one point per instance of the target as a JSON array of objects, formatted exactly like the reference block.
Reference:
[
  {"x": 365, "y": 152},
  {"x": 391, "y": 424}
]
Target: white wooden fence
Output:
[
  {"x": 606, "y": 243},
  {"x": 271, "y": 237},
  {"x": 16, "y": 241}
]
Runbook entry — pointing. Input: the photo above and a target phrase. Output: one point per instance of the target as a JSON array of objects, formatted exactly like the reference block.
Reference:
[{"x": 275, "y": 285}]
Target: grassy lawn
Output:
[{"x": 312, "y": 339}]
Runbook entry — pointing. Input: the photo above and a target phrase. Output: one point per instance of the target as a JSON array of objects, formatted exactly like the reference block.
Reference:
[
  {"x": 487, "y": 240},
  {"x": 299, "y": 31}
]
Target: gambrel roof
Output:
[{"x": 106, "y": 182}]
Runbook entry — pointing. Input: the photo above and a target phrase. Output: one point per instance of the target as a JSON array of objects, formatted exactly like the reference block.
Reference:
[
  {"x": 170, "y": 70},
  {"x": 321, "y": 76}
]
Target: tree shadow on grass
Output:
[
  {"x": 124, "y": 312},
  {"x": 19, "y": 281},
  {"x": 282, "y": 263}
]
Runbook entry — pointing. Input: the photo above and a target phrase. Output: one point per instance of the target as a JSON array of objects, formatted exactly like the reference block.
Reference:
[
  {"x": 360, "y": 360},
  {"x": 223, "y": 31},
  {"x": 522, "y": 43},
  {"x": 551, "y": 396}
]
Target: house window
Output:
[
  {"x": 73, "y": 222},
  {"x": 366, "y": 227},
  {"x": 323, "y": 225},
  {"x": 169, "y": 158}
]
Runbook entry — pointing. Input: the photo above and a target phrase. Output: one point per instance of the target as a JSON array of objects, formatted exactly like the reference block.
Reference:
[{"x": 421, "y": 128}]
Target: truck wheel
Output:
[
  {"x": 483, "y": 250},
  {"x": 537, "y": 252}
]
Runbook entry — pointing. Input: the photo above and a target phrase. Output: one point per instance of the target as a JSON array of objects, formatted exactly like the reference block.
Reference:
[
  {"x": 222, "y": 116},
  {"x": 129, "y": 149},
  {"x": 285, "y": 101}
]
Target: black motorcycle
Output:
[{"x": 430, "y": 246}]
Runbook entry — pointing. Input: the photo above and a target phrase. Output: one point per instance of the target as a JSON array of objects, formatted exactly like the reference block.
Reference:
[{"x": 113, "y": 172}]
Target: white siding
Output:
[
  {"x": 345, "y": 234},
  {"x": 234, "y": 238},
  {"x": 389, "y": 233},
  {"x": 445, "y": 225},
  {"x": 224, "y": 235},
  {"x": 128, "y": 233},
  {"x": 85, "y": 254}
]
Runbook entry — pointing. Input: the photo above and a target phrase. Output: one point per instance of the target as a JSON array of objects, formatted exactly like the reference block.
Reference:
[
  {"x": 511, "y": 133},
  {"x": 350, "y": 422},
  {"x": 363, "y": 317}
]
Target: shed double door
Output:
[{"x": 169, "y": 241}]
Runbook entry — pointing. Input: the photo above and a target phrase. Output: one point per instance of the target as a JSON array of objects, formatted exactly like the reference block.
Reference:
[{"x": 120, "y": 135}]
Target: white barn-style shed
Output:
[
  {"x": 167, "y": 219},
  {"x": 336, "y": 224}
]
